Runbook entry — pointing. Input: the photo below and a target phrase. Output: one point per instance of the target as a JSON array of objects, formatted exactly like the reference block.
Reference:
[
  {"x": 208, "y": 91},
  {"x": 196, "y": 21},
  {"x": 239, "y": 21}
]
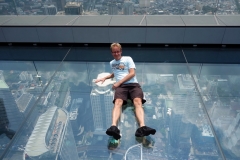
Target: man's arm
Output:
[
  {"x": 104, "y": 78},
  {"x": 130, "y": 75}
]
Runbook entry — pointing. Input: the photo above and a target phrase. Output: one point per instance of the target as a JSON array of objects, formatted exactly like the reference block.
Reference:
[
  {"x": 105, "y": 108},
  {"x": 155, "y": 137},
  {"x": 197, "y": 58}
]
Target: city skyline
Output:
[{"x": 120, "y": 7}]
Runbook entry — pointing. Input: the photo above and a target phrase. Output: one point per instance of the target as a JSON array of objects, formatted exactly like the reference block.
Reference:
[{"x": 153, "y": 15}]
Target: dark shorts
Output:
[{"x": 129, "y": 91}]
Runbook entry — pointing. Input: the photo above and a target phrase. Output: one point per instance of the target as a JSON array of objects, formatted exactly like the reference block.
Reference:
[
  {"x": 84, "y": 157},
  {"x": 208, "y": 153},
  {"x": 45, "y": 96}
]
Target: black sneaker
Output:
[
  {"x": 113, "y": 131},
  {"x": 144, "y": 131}
]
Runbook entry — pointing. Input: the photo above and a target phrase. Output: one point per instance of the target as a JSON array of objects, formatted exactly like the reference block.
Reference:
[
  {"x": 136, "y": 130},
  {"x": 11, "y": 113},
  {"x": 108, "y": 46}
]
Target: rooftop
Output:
[{"x": 3, "y": 85}]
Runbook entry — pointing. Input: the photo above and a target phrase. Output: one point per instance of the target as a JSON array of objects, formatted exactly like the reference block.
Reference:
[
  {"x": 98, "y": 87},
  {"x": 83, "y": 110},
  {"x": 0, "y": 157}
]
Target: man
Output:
[{"x": 126, "y": 87}]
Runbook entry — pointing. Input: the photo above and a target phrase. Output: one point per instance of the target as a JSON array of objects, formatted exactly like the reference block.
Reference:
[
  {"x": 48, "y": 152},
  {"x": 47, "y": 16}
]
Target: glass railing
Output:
[
  {"x": 120, "y": 7},
  {"x": 57, "y": 112}
]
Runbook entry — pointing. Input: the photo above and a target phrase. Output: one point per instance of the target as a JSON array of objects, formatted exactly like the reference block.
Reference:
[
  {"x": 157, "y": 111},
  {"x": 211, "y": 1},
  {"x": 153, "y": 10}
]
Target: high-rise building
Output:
[
  {"x": 187, "y": 100},
  {"x": 52, "y": 137},
  {"x": 13, "y": 113},
  {"x": 231, "y": 135},
  {"x": 101, "y": 100},
  {"x": 49, "y": 10},
  {"x": 203, "y": 143},
  {"x": 184, "y": 112},
  {"x": 73, "y": 114},
  {"x": 68, "y": 148},
  {"x": 112, "y": 8},
  {"x": 192, "y": 106},
  {"x": 180, "y": 133},
  {"x": 144, "y": 3},
  {"x": 185, "y": 82},
  {"x": 4, "y": 122},
  {"x": 60, "y": 4},
  {"x": 1, "y": 75},
  {"x": 211, "y": 90},
  {"x": 25, "y": 102},
  {"x": 73, "y": 8},
  {"x": 128, "y": 8},
  {"x": 25, "y": 76}
]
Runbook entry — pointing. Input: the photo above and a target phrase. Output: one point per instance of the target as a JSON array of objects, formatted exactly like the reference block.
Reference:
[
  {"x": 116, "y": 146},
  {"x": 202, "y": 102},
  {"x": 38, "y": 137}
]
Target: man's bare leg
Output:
[
  {"x": 143, "y": 130},
  {"x": 139, "y": 111},
  {"x": 116, "y": 112}
]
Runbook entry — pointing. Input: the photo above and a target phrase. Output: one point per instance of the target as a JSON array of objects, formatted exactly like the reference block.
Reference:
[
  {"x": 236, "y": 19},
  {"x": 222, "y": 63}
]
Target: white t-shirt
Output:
[{"x": 121, "y": 68}]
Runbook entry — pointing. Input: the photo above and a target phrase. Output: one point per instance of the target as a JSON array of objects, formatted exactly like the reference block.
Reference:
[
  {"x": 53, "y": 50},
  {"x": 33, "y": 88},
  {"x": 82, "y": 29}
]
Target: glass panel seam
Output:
[
  {"x": 31, "y": 110},
  {"x": 204, "y": 108}
]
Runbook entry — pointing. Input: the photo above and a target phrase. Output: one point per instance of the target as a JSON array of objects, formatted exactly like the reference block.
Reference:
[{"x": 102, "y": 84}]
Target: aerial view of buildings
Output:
[
  {"x": 190, "y": 113},
  {"x": 119, "y": 7},
  {"x": 63, "y": 115}
]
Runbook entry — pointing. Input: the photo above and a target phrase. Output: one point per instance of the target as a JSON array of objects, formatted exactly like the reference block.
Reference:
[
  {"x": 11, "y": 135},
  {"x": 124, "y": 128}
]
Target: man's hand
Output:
[
  {"x": 100, "y": 80},
  {"x": 115, "y": 85}
]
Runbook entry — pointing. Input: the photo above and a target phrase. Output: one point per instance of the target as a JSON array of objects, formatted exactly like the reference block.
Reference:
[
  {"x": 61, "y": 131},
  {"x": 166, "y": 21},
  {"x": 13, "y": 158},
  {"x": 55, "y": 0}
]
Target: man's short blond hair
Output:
[{"x": 116, "y": 45}]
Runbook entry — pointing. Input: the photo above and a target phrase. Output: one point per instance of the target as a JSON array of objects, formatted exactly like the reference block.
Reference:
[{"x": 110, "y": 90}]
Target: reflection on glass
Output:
[
  {"x": 133, "y": 7},
  {"x": 10, "y": 115},
  {"x": 70, "y": 118},
  {"x": 51, "y": 137},
  {"x": 220, "y": 93},
  {"x": 4, "y": 122},
  {"x": 96, "y": 68}
]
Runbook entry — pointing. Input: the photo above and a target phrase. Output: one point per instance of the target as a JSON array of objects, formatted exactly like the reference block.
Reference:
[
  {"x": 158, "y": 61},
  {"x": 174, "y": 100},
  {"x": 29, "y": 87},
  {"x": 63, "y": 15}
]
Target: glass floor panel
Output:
[{"x": 57, "y": 111}]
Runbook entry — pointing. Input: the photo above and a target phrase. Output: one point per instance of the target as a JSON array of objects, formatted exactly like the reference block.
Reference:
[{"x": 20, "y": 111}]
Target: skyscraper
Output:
[
  {"x": 60, "y": 4},
  {"x": 1, "y": 75},
  {"x": 187, "y": 100},
  {"x": 101, "y": 101},
  {"x": 73, "y": 8},
  {"x": 144, "y": 3},
  {"x": 13, "y": 113},
  {"x": 68, "y": 148},
  {"x": 74, "y": 115},
  {"x": 25, "y": 102},
  {"x": 50, "y": 10},
  {"x": 180, "y": 133},
  {"x": 128, "y": 8},
  {"x": 211, "y": 90},
  {"x": 203, "y": 143},
  {"x": 184, "y": 112},
  {"x": 112, "y": 8},
  {"x": 231, "y": 135}
]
